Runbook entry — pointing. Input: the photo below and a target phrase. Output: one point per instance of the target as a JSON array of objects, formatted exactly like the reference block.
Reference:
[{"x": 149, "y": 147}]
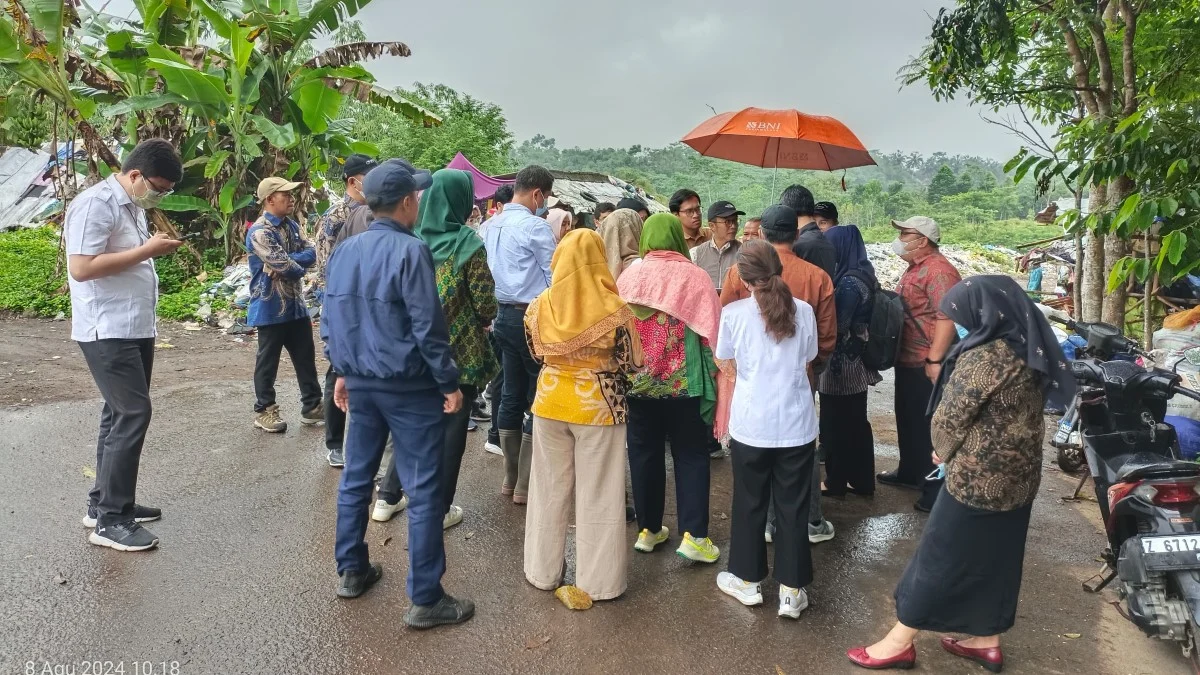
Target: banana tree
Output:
[{"x": 34, "y": 46}]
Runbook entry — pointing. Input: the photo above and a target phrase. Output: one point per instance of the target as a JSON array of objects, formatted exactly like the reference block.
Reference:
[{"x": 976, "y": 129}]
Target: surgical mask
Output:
[
  {"x": 962, "y": 332},
  {"x": 151, "y": 197},
  {"x": 937, "y": 474},
  {"x": 899, "y": 247}
]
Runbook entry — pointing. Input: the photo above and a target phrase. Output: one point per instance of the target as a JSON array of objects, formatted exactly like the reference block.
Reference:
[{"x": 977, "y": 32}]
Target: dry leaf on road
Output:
[{"x": 535, "y": 642}]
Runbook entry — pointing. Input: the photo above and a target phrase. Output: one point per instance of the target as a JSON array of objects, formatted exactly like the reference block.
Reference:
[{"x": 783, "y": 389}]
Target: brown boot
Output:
[
  {"x": 521, "y": 493},
  {"x": 510, "y": 444}
]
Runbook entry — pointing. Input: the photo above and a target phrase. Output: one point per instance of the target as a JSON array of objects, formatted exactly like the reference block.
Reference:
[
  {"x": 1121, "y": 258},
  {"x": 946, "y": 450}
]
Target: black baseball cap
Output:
[
  {"x": 358, "y": 164},
  {"x": 827, "y": 210},
  {"x": 632, "y": 203},
  {"x": 391, "y": 181},
  {"x": 779, "y": 218},
  {"x": 723, "y": 210}
]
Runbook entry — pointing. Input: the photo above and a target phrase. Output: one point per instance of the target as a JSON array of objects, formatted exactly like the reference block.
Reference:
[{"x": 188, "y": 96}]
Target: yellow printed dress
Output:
[{"x": 589, "y": 385}]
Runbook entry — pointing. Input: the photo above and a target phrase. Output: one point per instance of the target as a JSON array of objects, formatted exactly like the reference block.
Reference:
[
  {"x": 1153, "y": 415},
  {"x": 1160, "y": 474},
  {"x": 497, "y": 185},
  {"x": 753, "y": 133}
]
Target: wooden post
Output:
[{"x": 1148, "y": 308}]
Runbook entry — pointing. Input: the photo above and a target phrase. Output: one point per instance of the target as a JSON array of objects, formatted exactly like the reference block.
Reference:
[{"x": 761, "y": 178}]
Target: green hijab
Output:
[
  {"x": 442, "y": 219},
  {"x": 663, "y": 232}
]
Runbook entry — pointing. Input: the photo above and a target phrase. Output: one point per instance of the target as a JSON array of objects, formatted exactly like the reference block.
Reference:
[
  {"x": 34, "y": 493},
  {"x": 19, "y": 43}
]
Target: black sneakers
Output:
[
  {"x": 128, "y": 536},
  {"x": 336, "y": 458},
  {"x": 354, "y": 584},
  {"x": 444, "y": 612},
  {"x": 141, "y": 514}
]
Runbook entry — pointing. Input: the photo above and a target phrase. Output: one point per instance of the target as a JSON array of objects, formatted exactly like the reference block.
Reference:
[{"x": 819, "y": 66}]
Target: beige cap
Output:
[
  {"x": 928, "y": 227},
  {"x": 269, "y": 186}
]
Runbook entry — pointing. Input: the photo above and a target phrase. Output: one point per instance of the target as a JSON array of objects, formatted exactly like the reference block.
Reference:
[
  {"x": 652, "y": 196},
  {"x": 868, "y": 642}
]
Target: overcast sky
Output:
[{"x": 625, "y": 72}]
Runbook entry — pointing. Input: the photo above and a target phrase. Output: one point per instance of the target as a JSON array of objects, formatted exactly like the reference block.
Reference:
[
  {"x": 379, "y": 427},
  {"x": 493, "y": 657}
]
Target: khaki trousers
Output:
[{"x": 587, "y": 464}]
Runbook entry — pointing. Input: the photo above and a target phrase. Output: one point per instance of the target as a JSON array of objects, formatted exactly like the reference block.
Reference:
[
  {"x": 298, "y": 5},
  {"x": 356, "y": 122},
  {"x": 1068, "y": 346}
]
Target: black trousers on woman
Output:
[
  {"x": 846, "y": 435},
  {"x": 652, "y": 422},
  {"x": 782, "y": 476}
]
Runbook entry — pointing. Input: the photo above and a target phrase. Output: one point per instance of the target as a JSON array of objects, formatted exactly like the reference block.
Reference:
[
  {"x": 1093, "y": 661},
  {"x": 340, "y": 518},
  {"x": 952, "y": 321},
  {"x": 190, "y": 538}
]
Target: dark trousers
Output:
[
  {"x": 453, "y": 449},
  {"x": 782, "y": 476},
  {"x": 652, "y": 422},
  {"x": 520, "y": 370},
  {"x": 121, "y": 369},
  {"x": 416, "y": 419},
  {"x": 494, "y": 391},
  {"x": 913, "y": 390},
  {"x": 846, "y": 434},
  {"x": 296, "y": 338},
  {"x": 335, "y": 419}
]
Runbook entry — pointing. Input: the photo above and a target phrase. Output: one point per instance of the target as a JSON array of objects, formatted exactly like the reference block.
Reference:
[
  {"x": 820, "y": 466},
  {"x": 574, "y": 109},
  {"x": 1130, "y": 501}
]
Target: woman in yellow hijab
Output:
[{"x": 583, "y": 334}]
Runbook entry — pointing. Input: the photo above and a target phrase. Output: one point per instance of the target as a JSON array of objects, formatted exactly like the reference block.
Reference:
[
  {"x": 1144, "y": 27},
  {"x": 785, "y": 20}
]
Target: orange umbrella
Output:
[{"x": 781, "y": 139}]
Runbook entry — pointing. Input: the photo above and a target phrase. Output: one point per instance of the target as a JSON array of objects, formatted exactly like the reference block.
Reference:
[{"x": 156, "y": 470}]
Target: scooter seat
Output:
[{"x": 1149, "y": 465}]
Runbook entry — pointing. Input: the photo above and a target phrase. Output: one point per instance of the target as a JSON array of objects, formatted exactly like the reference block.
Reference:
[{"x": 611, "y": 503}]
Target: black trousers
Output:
[
  {"x": 121, "y": 369},
  {"x": 652, "y": 422},
  {"x": 335, "y": 419},
  {"x": 520, "y": 370},
  {"x": 453, "y": 449},
  {"x": 296, "y": 338},
  {"x": 913, "y": 390},
  {"x": 782, "y": 476},
  {"x": 846, "y": 435},
  {"x": 494, "y": 391}
]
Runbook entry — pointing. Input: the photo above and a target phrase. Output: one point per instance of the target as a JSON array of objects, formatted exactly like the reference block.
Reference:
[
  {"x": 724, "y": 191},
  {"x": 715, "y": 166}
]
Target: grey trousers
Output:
[{"x": 121, "y": 369}]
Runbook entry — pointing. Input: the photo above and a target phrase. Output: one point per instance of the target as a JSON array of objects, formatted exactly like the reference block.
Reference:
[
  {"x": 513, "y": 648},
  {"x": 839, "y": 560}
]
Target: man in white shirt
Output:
[{"x": 114, "y": 292}]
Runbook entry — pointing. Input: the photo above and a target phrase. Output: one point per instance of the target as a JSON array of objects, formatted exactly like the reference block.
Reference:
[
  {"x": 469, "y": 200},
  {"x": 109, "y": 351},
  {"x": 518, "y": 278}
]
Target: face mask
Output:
[
  {"x": 150, "y": 198},
  {"x": 962, "y": 332},
  {"x": 899, "y": 247}
]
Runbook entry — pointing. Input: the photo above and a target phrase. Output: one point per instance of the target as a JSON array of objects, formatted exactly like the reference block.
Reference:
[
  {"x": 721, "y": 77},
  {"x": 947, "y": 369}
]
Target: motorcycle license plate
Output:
[{"x": 1178, "y": 544}]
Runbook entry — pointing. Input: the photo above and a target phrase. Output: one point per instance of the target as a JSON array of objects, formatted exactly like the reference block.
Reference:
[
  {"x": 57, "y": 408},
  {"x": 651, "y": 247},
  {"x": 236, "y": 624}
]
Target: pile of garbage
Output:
[
  {"x": 233, "y": 287},
  {"x": 889, "y": 267}
]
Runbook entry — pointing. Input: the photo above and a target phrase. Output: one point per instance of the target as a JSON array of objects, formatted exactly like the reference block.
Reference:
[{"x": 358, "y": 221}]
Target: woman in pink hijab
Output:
[{"x": 560, "y": 223}]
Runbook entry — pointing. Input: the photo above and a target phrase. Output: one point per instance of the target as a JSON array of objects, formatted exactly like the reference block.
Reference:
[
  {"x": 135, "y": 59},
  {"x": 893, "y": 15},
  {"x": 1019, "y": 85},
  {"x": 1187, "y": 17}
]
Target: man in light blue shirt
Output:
[{"x": 519, "y": 245}]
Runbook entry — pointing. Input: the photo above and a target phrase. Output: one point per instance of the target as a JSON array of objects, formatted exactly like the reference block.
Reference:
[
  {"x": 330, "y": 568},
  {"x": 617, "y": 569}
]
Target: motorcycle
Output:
[
  {"x": 1107, "y": 347},
  {"x": 1149, "y": 498}
]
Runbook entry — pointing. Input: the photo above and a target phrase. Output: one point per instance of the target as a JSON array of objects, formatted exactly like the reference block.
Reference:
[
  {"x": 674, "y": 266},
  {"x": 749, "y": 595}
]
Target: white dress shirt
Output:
[
  {"x": 772, "y": 403},
  {"x": 103, "y": 219}
]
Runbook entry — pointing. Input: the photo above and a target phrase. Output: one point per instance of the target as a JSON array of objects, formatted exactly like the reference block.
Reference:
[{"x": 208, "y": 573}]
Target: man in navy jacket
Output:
[{"x": 385, "y": 335}]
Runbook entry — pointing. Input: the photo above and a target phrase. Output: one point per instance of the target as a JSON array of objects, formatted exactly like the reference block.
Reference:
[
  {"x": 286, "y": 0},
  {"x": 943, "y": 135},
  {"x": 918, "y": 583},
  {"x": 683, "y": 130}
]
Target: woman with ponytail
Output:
[{"x": 771, "y": 337}]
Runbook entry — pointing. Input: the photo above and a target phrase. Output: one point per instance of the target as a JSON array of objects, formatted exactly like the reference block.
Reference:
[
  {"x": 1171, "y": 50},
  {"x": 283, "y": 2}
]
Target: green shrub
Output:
[
  {"x": 181, "y": 304},
  {"x": 27, "y": 279}
]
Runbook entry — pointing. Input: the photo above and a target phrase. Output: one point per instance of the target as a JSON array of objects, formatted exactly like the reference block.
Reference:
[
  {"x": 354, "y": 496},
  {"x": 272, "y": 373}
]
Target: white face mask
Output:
[
  {"x": 151, "y": 197},
  {"x": 899, "y": 247}
]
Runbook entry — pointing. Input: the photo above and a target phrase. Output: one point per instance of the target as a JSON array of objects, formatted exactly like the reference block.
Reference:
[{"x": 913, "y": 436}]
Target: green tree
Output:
[{"x": 943, "y": 184}]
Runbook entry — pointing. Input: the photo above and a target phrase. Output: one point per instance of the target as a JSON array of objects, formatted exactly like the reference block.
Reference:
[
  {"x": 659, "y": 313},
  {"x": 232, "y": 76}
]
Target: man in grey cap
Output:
[
  {"x": 386, "y": 337},
  {"x": 279, "y": 258}
]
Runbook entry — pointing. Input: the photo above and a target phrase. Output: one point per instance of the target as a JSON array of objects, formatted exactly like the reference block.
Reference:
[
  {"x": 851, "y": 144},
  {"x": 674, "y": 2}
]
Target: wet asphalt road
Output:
[{"x": 244, "y": 579}]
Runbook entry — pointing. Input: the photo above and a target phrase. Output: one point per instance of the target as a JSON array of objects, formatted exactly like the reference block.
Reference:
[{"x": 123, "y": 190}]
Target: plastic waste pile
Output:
[
  {"x": 235, "y": 287},
  {"x": 889, "y": 267}
]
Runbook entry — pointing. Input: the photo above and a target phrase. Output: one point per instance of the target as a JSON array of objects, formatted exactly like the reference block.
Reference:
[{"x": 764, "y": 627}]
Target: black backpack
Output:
[{"x": 884, "y": 329}]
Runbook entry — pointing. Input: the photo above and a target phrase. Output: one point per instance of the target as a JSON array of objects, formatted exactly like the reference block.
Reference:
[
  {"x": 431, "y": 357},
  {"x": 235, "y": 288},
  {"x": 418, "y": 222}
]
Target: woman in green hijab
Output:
[
  {"x": 468, "y": 296},
  {"x": 677, "y": 313}
]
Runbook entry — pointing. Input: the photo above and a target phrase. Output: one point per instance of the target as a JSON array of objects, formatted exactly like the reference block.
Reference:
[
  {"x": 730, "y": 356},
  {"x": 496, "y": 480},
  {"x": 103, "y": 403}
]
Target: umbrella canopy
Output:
[
  {"x": 485, "y": 185},
  {"x": 784, "y": 139}
]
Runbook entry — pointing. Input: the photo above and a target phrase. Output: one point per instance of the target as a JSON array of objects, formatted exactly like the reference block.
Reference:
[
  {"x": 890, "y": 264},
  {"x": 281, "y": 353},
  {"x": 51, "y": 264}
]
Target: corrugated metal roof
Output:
[
  {"x": 21, "y": 200},
  {"x": 584, "y": 189}
]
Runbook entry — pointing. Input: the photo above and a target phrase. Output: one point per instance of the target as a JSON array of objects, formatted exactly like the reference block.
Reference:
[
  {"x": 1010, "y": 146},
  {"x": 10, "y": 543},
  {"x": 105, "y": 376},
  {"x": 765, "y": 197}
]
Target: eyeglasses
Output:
[{"x": 695, "y": 211}]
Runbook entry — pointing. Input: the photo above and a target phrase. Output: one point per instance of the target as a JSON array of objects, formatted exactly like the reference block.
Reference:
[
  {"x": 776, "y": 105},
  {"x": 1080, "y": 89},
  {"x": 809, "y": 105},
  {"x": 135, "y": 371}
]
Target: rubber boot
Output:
[
  {"x": 521, "y": 494},
  {"x": 510, "y": 445}
]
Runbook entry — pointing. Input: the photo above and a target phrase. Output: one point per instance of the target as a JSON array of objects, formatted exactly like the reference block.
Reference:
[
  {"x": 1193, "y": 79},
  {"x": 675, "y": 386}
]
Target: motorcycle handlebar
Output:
[{"x": 1188, "y": 393}]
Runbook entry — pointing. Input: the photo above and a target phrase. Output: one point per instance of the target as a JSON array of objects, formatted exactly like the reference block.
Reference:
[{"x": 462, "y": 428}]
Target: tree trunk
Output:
[
  {"x": 1115, "y": 248},
  {"x": 1092, "y": 279}
]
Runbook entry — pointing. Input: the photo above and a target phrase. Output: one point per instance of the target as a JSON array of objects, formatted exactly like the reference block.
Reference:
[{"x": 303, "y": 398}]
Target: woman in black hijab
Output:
[{"x": 987, "y": 431}]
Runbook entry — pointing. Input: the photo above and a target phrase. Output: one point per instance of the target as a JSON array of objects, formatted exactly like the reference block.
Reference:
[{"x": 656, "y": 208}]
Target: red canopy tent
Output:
[{"x": 485, "y": 185}]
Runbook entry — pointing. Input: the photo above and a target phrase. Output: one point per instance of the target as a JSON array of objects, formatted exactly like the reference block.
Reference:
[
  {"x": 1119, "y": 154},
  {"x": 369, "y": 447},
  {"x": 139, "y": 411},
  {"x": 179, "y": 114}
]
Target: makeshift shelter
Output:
[
  {"x": 485, "y": 185},
  {"x": 25, "y": 196}
]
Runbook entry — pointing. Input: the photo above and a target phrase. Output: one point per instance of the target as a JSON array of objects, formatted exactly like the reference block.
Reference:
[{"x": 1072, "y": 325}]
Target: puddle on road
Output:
[{"x": 875, "y": 537}]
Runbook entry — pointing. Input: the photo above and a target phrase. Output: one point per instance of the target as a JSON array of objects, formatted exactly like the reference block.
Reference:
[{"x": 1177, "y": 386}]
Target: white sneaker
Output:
[
  {"x": 769, "y": 535},
  {"x": 493, "y": 448},
  {"x": 792, "y": 601},
  {"x": 452, "y": 517},
  {"x": 743, "y": 591},
  {"x": 384, "y": 511},
  {"x": 820, "y": 533}
]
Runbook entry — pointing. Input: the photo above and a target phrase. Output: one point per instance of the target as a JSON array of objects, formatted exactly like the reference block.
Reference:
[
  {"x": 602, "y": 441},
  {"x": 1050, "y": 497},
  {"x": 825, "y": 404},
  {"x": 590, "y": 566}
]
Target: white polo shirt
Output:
[
  {"x": 103, "y": 219},
  {"x": 772, "y": 403}
]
